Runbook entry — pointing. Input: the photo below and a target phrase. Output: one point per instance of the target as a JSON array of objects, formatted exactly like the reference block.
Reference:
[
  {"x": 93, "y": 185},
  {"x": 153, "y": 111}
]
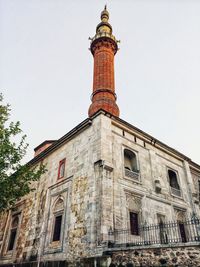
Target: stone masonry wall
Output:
[
  {"x": 153, "y": 165},
  {"x": 170, "y": 257},
  {"x": 97, "y": 197},
  {"x": 77, "y": 189}
]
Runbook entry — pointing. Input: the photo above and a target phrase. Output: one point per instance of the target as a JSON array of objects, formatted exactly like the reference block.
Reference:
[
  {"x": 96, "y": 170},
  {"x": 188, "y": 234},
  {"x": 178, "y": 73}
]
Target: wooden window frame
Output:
[{"x": 63, "y": 161}]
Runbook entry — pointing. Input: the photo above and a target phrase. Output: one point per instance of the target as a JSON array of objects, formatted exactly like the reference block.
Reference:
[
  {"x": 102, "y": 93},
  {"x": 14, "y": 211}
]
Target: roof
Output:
[
  {"x": 87, "y": 122},
  {"x": 44, "y": 143}
]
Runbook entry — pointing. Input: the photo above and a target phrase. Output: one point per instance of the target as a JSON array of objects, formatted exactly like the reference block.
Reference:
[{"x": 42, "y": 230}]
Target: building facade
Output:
[{"x": 112, "y": 194}]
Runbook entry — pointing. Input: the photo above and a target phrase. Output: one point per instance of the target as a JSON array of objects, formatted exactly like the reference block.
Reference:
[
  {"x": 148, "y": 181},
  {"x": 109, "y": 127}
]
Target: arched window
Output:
[
  {"x": 173, "y": 182},
  {"x": 58, "y": 206},
  {"x": 130, "y": 161},
  {"x": 13, "y": 232},
  {"x": 58, "y": 217},
  {"x": 61, "y": 169}
]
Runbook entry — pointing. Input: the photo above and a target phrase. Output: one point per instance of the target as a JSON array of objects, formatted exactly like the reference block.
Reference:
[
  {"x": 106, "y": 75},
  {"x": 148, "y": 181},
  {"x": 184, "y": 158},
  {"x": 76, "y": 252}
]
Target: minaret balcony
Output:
[{"x": 103, "y": 34}]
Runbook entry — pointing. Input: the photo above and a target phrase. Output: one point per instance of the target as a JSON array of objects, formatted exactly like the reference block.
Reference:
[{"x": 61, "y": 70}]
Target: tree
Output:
[{"x": 15, "y": 178}]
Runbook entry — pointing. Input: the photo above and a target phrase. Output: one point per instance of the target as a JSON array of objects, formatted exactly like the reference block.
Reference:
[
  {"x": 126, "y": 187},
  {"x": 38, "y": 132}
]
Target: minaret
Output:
[{"x": 103, "y": 47}]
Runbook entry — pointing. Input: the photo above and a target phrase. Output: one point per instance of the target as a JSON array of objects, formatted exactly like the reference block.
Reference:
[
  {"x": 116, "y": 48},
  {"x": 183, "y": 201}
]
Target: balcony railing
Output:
[
  {"x": 176, "y": 192},
  {"x": 163, "y": 233},
  {"x": 132, "y": 174}
]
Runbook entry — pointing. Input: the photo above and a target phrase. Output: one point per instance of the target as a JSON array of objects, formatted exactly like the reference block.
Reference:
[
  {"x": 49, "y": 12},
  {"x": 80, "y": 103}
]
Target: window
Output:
[
  {"x": 134, "y": 225},
  {"x": 162, "y": 229},
  {"x": 58, "y": 217},
  {"x": 13, "y": 232},
  {"x": 130, "y": 164},
  {"x": 173, "y": 181},
  {"x": 57, "y": 228},
  {"x": 61, "y": 169},
  {"x": 130, "y": 161},
  {"x": 182, "y": 232}
]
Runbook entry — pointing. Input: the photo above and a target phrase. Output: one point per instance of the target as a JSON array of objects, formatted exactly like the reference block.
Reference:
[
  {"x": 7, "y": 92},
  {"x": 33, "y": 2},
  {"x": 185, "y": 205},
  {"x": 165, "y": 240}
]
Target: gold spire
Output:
[
  {"x": 104, "y": 15},
  {"x": 104, "y": 26}
]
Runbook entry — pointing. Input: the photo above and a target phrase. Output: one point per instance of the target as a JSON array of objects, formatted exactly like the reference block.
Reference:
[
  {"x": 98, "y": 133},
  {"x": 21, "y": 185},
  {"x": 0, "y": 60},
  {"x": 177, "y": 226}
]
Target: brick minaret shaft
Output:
[{"x": 103, "y": 47}]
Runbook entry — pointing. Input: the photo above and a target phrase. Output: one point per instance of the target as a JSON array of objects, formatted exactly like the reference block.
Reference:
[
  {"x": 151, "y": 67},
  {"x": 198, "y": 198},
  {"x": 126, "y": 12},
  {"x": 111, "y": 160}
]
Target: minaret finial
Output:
[{"x": 105, "y": 14}]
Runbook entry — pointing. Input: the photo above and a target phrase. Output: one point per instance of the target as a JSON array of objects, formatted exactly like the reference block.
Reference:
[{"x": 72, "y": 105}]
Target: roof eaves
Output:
[
  {"x": 151, "y": 138},
  {"x": 83, "y": 125}
]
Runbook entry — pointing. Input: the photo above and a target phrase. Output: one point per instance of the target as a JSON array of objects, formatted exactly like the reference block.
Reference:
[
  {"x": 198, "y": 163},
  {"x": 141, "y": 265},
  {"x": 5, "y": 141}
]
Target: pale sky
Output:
[{"x": 46, "y": 69}]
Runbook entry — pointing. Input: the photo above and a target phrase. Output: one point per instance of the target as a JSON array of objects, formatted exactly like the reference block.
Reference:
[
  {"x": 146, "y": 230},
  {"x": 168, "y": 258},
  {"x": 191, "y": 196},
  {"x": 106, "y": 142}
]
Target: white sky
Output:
[{"x": 46, "y": 68}]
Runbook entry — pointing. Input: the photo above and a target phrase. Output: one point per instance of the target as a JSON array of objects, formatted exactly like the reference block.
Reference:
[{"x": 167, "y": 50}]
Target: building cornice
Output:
[
  {"x": 120, "y": 123},
  {"x": 76, "y": 130},
  {"x": 148, "y": 138}
]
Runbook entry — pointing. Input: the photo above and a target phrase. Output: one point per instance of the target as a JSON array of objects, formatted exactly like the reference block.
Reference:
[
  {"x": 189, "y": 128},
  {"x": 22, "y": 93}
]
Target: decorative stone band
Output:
[
  {"x": 105, "y": 104},
  {"x": 103, "y": 91}
]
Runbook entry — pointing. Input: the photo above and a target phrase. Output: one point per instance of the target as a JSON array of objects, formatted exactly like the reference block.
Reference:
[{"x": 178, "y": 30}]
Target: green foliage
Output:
[{"x": 15, "y": 178}]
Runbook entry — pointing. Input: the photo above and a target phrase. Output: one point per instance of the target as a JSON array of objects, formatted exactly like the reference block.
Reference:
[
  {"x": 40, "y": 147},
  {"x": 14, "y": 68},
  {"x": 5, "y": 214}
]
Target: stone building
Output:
[{"x": 112, "y": 196}]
